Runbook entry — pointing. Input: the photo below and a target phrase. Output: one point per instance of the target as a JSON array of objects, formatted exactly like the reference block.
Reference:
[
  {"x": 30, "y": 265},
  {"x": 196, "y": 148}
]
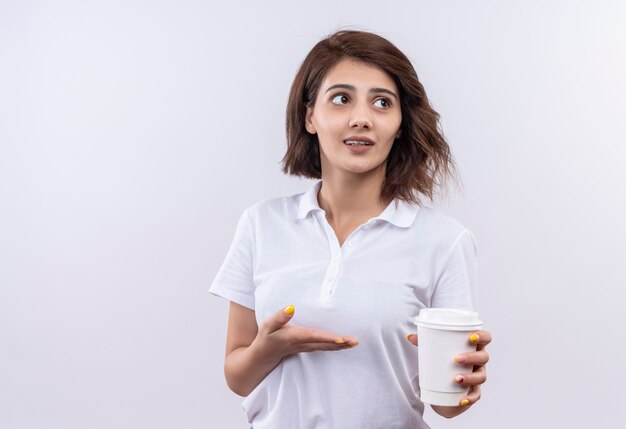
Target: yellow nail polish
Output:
[
  {"x": 340, "y": 342},
  {"x": 290, "y": 309},
  {"x": 464, "y": 402},
  {"x": 408, "y": 337},
  {"x": 474, "y": 338},
  {"x": 356, "y": 343}
]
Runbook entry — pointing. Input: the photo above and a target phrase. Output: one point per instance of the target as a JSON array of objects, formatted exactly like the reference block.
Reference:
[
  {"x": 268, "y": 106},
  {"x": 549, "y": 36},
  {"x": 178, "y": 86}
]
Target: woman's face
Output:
[{"x": 355, "y": 102}]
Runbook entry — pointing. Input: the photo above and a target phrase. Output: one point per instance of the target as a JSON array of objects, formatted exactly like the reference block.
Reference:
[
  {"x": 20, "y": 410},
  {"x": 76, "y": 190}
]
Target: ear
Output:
[
  {"x": 308, "y": 124},
  {"x": 399, "y": 133}
]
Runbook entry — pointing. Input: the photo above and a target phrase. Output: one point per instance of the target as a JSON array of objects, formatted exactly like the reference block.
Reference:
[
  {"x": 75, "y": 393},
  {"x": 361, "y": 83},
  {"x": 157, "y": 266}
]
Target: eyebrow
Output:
[{"x": 352, "y": 88}]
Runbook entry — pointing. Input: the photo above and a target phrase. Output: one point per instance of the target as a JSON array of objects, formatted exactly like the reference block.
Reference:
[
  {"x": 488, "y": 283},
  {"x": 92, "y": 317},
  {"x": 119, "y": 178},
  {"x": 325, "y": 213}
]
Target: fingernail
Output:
[
  {"x": 474, "y": 338},
  {"x": 340, "y": 342},
  {"x": 459, "y": 379},
  {"x": 290, "y": 309},
  {"x": 408, "y": 337},
  {"x": 464, "y": 402},
  {"x": 460, "y": 359}
]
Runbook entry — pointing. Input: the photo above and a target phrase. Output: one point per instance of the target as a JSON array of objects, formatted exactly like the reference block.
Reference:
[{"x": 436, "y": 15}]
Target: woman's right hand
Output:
[{"x": 276, "y": 339}]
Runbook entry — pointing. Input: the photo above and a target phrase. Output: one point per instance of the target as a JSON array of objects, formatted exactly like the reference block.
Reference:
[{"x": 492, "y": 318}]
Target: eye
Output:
[
  {"x": 384, "y": 103},
  {"x": 339, "y": 99}
]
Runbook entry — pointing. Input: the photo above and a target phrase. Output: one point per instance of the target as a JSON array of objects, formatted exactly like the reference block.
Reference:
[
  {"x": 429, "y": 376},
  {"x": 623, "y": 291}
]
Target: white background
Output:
[{"x": 134, "y": 133}]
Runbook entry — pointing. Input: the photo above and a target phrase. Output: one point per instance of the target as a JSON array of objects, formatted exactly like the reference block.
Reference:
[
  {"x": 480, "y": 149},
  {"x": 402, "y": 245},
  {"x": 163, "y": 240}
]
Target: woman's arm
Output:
[
  {"x": 252, "y": 352},
  {"x": 244, "y": 367}
]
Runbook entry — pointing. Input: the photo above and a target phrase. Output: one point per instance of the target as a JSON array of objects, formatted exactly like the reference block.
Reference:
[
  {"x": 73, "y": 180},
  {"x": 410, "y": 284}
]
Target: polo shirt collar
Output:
[{"x": 398, "y": 212}]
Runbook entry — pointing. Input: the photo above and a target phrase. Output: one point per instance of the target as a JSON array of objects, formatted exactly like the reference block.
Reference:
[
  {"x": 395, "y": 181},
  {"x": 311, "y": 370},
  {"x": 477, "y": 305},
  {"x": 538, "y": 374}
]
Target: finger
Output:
[
  {"x": 412, "y": 339},
  {"x": 300, "y": 334},
  {"x": 327, "y": 338},
  {"x": 322, "y": 347},
  {"x": 351, "y": 341},
  {"x": 472, "y": 358},
  {"x": 473, "y": 396},
  {"x": 472, "y": 379},
  {"x": 279, "y": 319},
  {"x": 480, "y": 338},
  {"x": 347, "y": 341}
]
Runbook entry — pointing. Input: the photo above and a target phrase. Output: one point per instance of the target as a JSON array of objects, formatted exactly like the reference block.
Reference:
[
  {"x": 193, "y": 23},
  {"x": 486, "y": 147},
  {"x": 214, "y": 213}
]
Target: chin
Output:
[
  {"x": 363, "y": 170},
  {"x": 367, "y": 168}
]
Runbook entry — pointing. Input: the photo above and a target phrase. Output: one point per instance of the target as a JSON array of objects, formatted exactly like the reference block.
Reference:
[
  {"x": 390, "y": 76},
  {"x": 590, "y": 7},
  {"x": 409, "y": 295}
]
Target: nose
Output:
[{"x": 360, "y": 117}]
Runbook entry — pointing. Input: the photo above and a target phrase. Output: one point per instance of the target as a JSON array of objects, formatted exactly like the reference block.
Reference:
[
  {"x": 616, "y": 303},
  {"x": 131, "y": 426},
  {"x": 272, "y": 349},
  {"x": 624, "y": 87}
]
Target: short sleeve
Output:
[
  {"x": 458, "y": 281},
  {"x": 234, "y": 280}
]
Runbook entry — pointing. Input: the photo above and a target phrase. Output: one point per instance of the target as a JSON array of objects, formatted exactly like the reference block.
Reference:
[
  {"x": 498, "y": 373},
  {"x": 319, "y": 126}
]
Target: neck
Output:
[{"x": 351, "y": 198}]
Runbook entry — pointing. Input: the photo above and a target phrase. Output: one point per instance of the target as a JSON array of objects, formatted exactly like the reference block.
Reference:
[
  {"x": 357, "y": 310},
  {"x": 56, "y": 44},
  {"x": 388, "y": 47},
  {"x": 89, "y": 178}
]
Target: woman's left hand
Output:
[{"x": 479, "y": 359}]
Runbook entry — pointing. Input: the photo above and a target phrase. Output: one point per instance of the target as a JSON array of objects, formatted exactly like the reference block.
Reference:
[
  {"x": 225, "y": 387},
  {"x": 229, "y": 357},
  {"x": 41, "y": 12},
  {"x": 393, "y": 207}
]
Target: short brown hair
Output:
[{"x": 419, "y": 160}]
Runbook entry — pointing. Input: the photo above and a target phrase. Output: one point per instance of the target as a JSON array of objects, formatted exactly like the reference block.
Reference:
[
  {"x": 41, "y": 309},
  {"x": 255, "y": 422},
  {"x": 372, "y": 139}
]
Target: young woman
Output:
[{"x": 324, "y": 285}]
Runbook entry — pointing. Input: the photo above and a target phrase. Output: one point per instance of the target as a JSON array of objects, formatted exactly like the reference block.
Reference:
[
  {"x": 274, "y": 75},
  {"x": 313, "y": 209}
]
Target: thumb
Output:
[
  {"x": 412, "y": 338},
  {"x": 280, "y": 319}
]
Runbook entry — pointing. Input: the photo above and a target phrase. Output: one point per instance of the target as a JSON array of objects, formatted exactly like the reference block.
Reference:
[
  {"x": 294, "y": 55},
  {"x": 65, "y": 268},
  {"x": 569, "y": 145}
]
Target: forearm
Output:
[
  {"x": 246, "y": 367},
  {"x": 449, "y": 412}
]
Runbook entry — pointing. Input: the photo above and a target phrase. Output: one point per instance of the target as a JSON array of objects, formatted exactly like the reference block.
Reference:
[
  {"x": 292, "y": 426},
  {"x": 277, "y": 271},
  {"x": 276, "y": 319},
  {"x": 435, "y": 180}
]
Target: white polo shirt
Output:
[{"x": 407, "y": 258}]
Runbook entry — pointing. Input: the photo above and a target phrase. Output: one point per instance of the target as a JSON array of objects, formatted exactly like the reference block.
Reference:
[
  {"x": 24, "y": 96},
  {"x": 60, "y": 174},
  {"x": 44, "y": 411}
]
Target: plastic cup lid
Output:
[{"x": 448, "y": 318}]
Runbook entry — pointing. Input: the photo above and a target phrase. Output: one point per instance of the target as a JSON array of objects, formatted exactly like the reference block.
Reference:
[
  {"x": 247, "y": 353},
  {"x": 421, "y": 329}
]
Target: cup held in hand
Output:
[{"x": 443, "y": 334}]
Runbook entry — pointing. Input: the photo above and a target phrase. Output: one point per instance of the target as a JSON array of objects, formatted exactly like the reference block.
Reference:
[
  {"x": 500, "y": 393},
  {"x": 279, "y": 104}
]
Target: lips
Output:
[{"x": 358, "y": 141}]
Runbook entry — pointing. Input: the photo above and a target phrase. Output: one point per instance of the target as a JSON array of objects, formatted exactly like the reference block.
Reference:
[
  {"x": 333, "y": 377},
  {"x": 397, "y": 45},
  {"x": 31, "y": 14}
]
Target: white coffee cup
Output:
[{"x": 443, "y": 333}]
